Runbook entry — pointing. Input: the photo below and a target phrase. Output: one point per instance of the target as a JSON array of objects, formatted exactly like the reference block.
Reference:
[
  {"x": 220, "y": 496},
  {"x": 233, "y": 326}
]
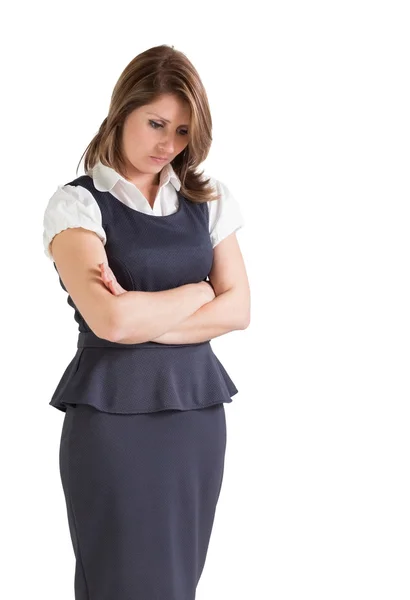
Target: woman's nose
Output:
[{"x": 168, "y": 144}]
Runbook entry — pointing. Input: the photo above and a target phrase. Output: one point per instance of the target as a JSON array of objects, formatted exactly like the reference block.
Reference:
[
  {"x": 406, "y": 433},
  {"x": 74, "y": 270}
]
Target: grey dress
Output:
[{"x": 144, "y": 433}]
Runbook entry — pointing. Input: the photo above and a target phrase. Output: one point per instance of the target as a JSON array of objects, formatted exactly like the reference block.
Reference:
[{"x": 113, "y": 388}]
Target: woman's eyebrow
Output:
[{"x": 166, "y": 120}]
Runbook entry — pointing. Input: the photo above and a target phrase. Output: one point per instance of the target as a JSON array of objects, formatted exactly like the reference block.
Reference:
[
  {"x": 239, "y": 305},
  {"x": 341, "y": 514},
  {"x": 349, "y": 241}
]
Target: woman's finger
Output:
[
  {"x": 110, "y": 280},
  {"x": 103, "y": 270},
  {"x": 106, "y": 272}
]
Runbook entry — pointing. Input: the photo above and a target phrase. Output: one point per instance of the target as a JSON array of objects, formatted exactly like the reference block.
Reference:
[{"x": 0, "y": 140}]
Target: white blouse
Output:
[{"x": 74, "y": 206}]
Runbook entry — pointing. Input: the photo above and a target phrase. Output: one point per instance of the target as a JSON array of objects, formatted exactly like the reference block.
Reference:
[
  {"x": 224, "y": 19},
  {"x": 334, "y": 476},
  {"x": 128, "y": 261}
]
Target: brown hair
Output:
[{"x": 158, "y": 70}]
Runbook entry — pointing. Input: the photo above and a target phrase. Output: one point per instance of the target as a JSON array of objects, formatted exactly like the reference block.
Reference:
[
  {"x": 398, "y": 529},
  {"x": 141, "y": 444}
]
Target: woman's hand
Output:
[
  {"x": 208, "y": 289},
  {"x": 110, "y": 280}
]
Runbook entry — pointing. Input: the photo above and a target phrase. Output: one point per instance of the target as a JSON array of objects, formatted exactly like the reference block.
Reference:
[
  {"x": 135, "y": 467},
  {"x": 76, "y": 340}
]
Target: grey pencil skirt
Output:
[{"x": 141, "y": 492}]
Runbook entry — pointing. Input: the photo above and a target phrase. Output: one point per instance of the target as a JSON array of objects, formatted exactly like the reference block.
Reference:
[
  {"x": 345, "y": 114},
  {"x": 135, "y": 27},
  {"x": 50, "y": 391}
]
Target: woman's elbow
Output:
[
  {"x": 246, "y": 322},
  {"x": 104, "y": 323}
]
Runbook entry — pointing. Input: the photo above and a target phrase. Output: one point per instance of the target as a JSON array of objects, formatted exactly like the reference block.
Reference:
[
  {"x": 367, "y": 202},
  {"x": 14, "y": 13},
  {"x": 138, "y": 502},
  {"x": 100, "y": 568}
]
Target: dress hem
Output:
[{"x": 63, "y": 407}]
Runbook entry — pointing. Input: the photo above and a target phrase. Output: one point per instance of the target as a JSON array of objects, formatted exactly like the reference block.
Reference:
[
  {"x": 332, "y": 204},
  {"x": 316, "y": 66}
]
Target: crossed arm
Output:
[
  {"x": 228, "y": 311},
  {"x": 224, "y": 313},
  {"x": 192, "y": 313}
]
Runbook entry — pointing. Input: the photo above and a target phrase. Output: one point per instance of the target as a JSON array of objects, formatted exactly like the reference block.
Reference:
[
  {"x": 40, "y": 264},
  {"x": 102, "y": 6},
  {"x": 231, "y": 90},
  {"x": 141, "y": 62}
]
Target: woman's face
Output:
[{"x": 159, "y": 129}]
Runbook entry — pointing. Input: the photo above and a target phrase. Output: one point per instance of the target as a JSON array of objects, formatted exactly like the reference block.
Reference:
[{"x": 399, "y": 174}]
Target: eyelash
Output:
[{"x": 152, "y": 123}]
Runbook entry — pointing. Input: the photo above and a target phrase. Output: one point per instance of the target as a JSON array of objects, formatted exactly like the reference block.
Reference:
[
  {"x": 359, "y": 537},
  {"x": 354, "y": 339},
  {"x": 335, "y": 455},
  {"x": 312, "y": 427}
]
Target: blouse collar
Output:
[{"x": 105, "y": 178}]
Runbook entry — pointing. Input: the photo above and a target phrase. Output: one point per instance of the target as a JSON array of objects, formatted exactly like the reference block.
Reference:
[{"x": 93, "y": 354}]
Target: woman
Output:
[{"x": 134, "y": 241}]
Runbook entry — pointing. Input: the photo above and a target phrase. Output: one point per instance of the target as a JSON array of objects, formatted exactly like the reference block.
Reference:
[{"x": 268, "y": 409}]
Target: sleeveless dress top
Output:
[{"x": 147, "y": 253}]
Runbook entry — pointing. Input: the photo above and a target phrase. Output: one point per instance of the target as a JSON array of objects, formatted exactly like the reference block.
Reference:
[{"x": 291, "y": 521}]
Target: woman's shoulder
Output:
[
  {"x": 71, "y": 206},
  {"x": 71, "y": 195},
  {"x": 223, "y": 190},
  {"x": 225, "y": 214}
]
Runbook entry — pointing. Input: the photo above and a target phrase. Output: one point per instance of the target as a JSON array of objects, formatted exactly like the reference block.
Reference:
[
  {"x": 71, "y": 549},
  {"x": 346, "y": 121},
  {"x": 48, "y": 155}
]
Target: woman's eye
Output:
[{"x": 155, "y": 125}]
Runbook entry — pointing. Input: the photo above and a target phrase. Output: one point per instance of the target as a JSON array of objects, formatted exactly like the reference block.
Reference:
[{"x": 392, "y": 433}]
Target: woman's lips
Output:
[{"x": 158, "y": 160}]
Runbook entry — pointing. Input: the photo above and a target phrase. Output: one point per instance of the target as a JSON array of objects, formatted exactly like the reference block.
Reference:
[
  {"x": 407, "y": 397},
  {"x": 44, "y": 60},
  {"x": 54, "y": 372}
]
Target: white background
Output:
[{"x": 310, "y": 105}]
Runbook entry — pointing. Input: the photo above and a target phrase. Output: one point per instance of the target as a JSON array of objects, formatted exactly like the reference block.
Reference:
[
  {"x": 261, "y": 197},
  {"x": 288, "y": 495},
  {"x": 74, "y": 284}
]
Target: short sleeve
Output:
[
  {"x": 71, "y": 206},
  {"x": 225, "y": 215}
]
